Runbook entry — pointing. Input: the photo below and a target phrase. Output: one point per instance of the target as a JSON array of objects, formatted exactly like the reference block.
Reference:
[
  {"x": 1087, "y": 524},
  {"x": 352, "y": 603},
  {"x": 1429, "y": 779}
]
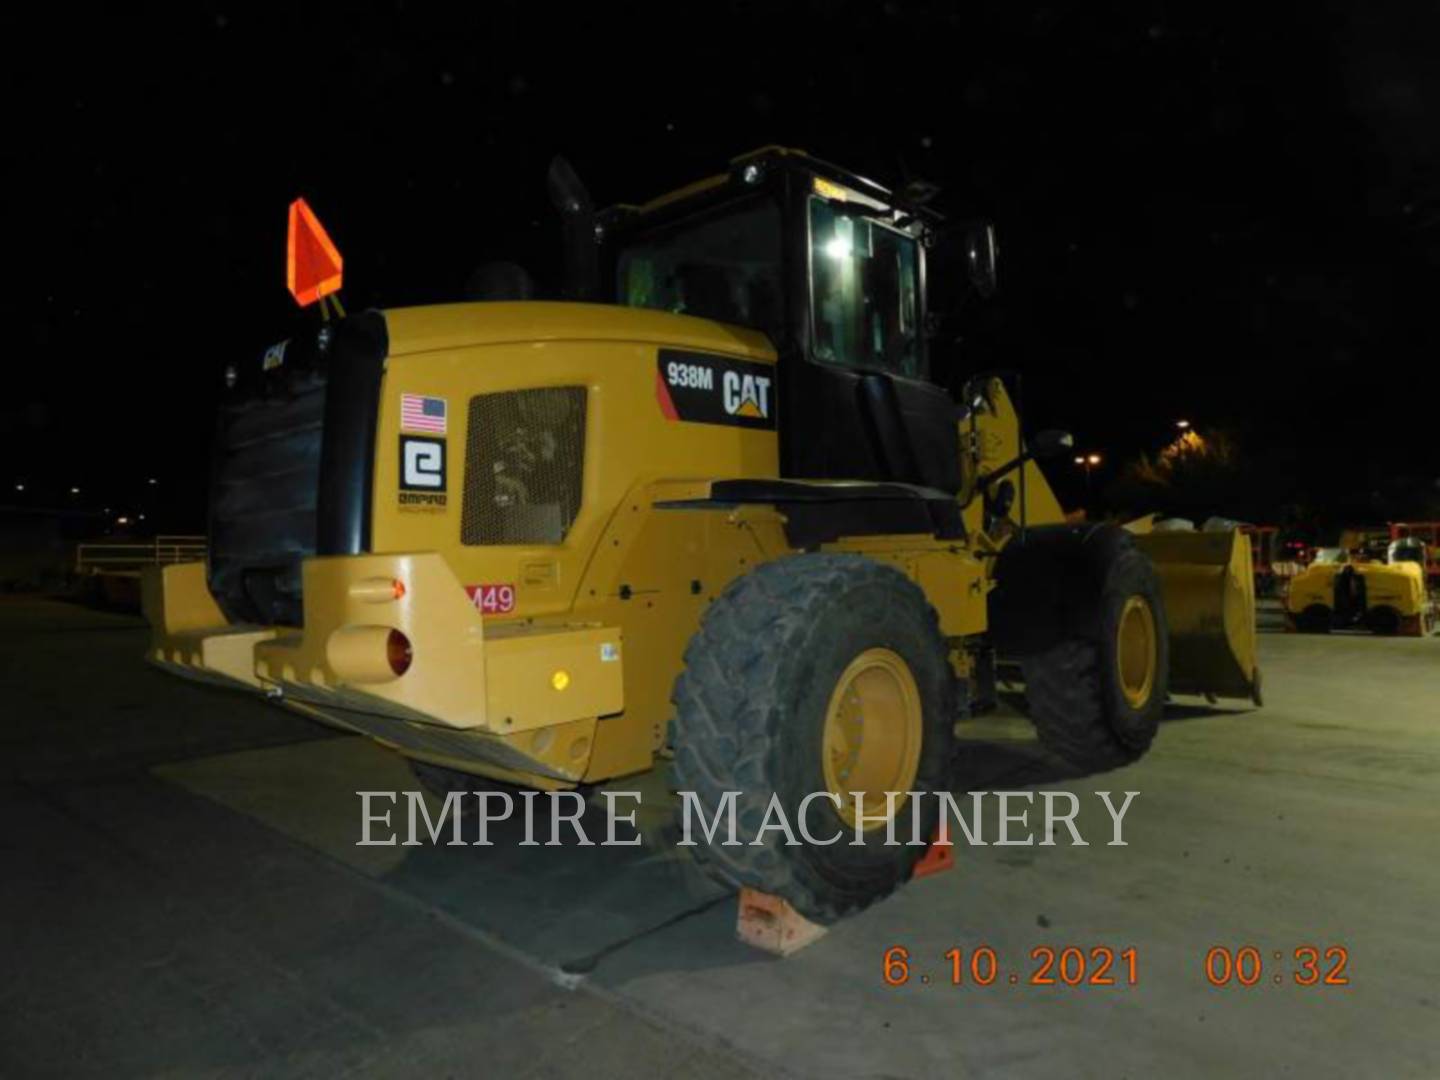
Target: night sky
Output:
[{"x": 1227, "y": 217}]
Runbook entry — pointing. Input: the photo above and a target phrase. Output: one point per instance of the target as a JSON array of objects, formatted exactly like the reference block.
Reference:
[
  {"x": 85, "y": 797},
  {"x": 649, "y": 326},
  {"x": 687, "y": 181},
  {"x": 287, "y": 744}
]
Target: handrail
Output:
[{"x": 120, "y": 554}]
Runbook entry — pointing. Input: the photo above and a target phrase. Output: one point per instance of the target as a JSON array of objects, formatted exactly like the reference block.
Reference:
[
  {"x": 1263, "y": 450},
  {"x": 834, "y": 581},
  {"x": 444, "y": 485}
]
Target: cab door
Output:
[{"x": 857, "y": 402}]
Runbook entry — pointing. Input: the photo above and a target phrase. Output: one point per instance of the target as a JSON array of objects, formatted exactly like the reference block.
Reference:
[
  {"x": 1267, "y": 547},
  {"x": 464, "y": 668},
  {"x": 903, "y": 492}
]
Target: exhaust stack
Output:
[{"x": 577, "y": 213}]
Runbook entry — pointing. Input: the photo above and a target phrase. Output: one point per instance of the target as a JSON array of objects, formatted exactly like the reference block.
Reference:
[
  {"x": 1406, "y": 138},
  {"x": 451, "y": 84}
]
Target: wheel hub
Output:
[
  {"x": 1137, "y": 652},
  {"x": 873, "y": 731}
]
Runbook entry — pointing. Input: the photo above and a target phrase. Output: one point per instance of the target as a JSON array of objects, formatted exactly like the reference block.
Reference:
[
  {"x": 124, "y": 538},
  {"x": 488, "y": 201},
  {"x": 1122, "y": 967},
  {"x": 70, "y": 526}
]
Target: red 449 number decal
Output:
[{"x": 492, "y": 599}]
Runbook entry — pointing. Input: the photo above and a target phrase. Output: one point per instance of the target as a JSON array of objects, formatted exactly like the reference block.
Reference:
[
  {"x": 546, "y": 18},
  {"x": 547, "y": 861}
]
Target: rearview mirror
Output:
[
  {"x": 1050, "y": 443},
  {"x": 980, "y": 255}
]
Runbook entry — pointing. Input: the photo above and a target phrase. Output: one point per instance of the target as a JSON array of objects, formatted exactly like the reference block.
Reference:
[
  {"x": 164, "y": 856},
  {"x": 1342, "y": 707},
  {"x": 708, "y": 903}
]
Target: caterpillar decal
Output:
[{"x": 701, "y": 388}]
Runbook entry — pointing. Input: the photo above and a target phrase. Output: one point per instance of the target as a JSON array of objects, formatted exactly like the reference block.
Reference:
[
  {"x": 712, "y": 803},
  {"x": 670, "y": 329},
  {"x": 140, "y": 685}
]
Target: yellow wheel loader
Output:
[{"x": 715, "y": 504}]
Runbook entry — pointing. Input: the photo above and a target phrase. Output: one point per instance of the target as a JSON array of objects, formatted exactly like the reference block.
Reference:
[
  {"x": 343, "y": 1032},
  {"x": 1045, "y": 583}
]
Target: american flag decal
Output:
[{"x": 420, "y": 413}]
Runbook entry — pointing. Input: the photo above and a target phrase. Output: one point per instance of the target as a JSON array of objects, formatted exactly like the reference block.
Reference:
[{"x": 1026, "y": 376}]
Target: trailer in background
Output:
[{"x": 1276, "y": 560}]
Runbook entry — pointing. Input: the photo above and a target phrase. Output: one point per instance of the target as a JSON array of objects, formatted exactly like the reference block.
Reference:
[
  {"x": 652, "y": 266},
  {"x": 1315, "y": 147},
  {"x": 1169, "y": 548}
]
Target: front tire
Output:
[
  {"x": 1096, "y": 697},
  {"x": 816, "y": 673}
]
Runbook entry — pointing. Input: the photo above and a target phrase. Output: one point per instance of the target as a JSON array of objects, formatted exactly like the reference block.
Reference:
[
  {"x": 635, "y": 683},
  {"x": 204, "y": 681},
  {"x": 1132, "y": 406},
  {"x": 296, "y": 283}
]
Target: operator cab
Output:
[
  {"x": 1406, "y": 549},
  {"x": 831, "y": 268}
]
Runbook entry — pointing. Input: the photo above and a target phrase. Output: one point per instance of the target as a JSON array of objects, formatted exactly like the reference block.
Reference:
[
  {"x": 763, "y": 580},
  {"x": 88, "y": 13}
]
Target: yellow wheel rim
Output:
[
  {"x": 1137, "y": 652},
  {"x": 873, "y": 730}
]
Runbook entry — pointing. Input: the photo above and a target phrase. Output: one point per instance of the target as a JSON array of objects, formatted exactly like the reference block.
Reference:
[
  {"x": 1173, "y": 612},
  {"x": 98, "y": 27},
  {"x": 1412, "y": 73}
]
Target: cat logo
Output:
[
  {"x": 746, "y": 395},
  {"x": 703, "y": 388}
]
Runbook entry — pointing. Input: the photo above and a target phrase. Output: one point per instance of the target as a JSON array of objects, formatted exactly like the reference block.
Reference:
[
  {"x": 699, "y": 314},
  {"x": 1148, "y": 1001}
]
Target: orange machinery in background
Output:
[{"x": 1276, "y": 560}]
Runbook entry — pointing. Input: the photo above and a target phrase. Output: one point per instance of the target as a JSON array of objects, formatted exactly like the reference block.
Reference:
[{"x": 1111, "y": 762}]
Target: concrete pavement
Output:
[{"x": 185, "y": 896}]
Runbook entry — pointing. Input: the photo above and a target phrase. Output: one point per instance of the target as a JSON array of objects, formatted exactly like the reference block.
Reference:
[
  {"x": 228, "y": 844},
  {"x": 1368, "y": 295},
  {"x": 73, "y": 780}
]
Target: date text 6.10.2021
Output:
[{"x": 1049, "y": 965}]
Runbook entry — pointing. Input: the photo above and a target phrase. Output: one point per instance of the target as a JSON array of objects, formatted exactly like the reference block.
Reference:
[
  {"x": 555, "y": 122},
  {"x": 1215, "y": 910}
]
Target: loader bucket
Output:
[{"x": 1209, "y": 589}]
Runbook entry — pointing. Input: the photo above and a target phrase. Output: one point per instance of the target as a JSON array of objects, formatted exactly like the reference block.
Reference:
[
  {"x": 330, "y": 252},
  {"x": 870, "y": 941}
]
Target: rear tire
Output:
[
  {"x": 767, "y": 681},
  {"x": 1384, "y": 621},
  {"x": 1096, "y": 698}
]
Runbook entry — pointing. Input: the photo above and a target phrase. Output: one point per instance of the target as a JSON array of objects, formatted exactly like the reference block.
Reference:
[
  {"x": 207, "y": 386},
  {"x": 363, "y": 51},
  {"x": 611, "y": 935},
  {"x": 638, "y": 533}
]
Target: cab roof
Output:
[{"x": 842, "y": 182}]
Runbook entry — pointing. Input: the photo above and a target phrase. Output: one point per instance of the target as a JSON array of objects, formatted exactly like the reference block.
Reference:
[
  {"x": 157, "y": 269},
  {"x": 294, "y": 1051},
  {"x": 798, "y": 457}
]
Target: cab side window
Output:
[
  {"x": 865, "y": 287},
  {"x": 723, "y": 266}
]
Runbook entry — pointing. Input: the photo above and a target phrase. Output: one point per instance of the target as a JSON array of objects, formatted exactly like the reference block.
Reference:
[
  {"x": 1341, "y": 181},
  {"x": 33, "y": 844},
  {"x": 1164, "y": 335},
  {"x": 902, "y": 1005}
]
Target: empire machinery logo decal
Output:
[
  {"x": 700, "y": 388},
  {"x": 558, "y": 818},
  {"x": 422, "y": 473}
]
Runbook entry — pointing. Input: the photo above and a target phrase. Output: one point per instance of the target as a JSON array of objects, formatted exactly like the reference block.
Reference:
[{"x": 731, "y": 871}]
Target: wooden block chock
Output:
[
  {"x": 937, "y": 857},
  {"x": 770, "y": 923}
]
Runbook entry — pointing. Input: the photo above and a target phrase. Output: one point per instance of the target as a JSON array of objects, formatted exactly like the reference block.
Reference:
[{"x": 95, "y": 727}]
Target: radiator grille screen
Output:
[{"x": 524, "y": 463}]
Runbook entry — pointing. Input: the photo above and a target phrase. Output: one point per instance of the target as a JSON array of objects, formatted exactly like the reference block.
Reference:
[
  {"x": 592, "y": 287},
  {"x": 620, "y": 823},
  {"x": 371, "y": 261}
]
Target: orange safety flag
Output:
[{"x": 312, "y": 265}]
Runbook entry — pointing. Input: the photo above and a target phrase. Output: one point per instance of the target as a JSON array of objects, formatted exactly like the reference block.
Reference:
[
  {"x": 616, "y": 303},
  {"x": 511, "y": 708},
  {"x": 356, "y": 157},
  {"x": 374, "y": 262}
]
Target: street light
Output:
[
  {"x": 1182, "y": 424},
  {"x": 1088, "y": 462}
]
